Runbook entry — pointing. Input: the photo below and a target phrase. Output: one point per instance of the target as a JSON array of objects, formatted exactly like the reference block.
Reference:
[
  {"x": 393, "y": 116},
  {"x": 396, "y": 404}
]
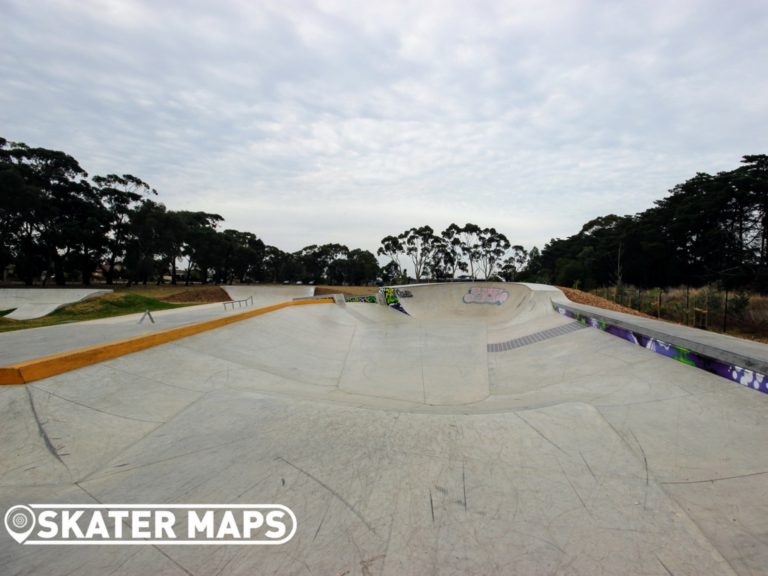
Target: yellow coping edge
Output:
[{"x": 31, "y": 370}]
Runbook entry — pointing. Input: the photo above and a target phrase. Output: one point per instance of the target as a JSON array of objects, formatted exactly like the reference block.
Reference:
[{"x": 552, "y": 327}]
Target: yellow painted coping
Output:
[{"x": 38, "y": 368}]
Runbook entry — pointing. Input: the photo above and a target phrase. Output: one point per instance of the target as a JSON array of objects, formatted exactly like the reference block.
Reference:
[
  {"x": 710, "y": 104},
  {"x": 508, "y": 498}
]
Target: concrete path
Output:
[
  {"x": 404, "y": 446},
  {"x": 32, "y": 343}
]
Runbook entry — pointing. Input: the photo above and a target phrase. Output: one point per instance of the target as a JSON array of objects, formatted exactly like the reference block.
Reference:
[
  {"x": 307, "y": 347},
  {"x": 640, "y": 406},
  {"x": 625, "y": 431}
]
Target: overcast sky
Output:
[{"x": 330, "y": 121}]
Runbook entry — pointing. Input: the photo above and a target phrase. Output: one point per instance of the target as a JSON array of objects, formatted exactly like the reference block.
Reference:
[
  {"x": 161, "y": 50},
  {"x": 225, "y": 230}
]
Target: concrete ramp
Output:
[
  {"x": 507, "y": 310},
  {"x": 32, "y": 303},
  {"x": 266, "y": 294}
]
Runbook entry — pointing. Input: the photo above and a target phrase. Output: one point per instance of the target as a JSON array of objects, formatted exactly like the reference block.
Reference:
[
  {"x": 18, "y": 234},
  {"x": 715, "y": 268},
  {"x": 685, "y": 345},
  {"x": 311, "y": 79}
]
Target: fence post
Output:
[{"x": 658, "y": 306}]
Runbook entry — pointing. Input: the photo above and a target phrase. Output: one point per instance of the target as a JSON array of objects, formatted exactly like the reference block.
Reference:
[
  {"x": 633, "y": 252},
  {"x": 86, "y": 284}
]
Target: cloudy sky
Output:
[{"x": 344, "y": 121}]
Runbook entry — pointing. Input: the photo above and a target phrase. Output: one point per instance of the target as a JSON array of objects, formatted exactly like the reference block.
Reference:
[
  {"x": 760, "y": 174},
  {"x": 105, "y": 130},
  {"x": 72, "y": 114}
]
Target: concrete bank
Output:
[
  {"x": 46, "y": 366},
  {"x": 741, "y": 361}
]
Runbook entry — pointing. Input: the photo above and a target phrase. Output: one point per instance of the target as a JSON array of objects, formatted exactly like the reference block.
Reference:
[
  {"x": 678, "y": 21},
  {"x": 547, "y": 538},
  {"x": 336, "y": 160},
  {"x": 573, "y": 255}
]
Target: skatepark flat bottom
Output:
[{"x": 404, "y": 446}]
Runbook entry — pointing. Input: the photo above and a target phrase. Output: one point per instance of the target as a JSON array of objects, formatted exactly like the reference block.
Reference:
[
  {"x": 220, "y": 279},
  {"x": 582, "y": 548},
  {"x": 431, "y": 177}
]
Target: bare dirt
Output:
[
  {"x": 591, "y": 300},
  {"x": 346, "y": 290},
  {"x": 198, "y": 295}
]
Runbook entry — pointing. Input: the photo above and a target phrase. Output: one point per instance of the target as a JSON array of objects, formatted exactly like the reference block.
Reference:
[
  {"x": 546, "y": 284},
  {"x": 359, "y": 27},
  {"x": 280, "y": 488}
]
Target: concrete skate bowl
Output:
[
  {"x": 505, "y": 310},
  {"x": 29, "y": 303},
  {"x": 492, "y": 302},
  {"x": 405, "y": 444}
]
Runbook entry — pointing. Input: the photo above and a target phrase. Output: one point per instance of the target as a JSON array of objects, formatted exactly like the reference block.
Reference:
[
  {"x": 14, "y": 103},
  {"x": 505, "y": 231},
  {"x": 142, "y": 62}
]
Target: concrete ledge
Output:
[
  {"x": 46, "y": 366},
  {"x": 739, "y": 360}
]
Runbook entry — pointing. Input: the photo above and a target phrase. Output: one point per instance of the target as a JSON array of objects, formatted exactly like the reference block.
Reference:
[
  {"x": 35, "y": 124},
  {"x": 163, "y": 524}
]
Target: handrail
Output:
[{"x": 240, "y": 303}]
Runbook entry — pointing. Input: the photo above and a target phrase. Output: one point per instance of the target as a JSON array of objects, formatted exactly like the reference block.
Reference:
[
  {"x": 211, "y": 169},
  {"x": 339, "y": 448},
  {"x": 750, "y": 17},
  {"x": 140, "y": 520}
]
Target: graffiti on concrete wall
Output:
[
  {"x": 738, "y": 374},
  {"x": 368, "y": 299},
  {"x": 391, "y": 297},
  {"x": 483, "y": 295}
]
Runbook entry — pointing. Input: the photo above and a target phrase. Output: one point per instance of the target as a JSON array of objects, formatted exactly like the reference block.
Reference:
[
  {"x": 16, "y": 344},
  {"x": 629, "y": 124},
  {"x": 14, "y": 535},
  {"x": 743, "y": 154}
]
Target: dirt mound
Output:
[
  {"x": 200, "y": 295},
  {"x": 347, "y": 290},
  {"x": 591, "y": 300}
]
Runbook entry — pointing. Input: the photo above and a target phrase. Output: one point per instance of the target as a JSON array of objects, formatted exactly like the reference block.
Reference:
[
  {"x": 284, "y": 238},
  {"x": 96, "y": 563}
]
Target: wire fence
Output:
[{"x": 708, "y": 308}]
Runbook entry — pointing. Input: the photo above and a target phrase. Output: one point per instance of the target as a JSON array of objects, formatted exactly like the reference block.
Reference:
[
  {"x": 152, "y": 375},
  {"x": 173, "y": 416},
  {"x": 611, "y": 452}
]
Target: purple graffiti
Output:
[
  {"x": 479, "y": 295},
  {"x": 732, "y": 372}
]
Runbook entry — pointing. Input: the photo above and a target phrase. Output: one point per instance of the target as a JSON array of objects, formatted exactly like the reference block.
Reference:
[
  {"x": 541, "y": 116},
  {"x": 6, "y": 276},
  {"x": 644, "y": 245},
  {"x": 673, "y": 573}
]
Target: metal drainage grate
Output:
[{"x": 533, "y": 338}]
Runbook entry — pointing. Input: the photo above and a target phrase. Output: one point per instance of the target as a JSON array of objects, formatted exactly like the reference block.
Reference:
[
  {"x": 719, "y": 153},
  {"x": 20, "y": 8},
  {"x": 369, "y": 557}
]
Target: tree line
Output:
[
  {"x": 57, "y": 223},
  {"x": 477, "y": 252},
  {"x": 711, "y": 229}
]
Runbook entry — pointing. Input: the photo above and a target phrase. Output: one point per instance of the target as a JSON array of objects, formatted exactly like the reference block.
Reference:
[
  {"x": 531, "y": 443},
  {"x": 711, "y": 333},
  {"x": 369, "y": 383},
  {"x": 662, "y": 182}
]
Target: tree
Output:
[
  {"x": 515, "y": 262},
  {"x": 391, "y": 273},
  {"x": 469, "y": 244},
  {"x": 62, "y": 207},
  {"x": 419, "y": 245},
  {"x": 243, "y": 256},
  {"x": 120, "y": 197},
  {"x": 20, "y": 202},
  {"x": 493, "y": 246},
  {"x": 361, "y": 267},
  {"x": 202, "y": 247},
  {"x": 447, "y": 257},
  {"x": 84, "y": 231},
  {"x": 319, "y": 261},
  {"x": 393, "y": 248},
  {"x": 144, "y": 245},
  {"x": 275, "y": 261}
]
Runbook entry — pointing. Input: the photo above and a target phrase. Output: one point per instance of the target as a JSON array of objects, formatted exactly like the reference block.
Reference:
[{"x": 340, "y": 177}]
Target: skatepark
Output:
[{"x": 489, "y": 428}]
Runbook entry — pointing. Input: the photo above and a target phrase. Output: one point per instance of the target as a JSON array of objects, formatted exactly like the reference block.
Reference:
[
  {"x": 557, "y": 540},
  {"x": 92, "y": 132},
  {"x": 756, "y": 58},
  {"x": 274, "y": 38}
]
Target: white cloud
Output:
[{"x": 340, "y": 121}]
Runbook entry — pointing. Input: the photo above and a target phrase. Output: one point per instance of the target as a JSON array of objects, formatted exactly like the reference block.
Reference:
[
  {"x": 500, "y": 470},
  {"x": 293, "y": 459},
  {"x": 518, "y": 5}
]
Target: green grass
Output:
[{"x": 117, "y": 304}]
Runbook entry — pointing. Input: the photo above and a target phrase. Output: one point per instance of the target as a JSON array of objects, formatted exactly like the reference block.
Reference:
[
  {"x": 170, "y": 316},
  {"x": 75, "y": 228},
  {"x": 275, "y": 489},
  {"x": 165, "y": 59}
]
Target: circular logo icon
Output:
[{"x": 19, "y": 521}]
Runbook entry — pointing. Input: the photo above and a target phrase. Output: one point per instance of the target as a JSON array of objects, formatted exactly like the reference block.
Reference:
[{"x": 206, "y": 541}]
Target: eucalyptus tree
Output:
[
  {"x": 364, "y": 268},
  {"x": 242, "y": 255},
  {"x": 391, "y": 273},
  {"x": 148, "y": 223},
  {"x": 392, "y": 248},
  {"x": 514, "y": 262},
  {"x": 274, "y": 263},
  {"x": 52, "y": 227},
  {"x": 200, "y": 243},
  {"x": 447, "y": 258},
  {"x": 493, "y": 247},
  {"x": 318, "y": 261},
  {"x": 469, "y": 243},
  {"x": 359, "y": 267},
  {"x": 19, "y": 225},
  {"x": 120, "y": 196},
  {"x": 419, "y": 244}
]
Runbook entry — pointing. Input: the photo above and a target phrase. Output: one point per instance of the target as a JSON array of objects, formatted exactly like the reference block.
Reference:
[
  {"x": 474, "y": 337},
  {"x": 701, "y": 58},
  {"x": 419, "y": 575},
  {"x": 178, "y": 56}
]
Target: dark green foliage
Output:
[
  {"x": 53, "y": 221},
  {"x": 709, "y": 229}
]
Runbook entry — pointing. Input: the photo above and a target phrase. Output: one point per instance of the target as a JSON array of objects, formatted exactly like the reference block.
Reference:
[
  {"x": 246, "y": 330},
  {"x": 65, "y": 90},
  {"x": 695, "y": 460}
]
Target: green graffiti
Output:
[
  {"x": 368, "y": 299},
  {"x": 390, "y": 296},
  {"x": 683, "y": 355}
]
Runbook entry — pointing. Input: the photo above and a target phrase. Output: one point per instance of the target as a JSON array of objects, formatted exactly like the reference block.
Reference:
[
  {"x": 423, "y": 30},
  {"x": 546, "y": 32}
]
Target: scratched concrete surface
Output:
[{"x": 578, "y": 454}]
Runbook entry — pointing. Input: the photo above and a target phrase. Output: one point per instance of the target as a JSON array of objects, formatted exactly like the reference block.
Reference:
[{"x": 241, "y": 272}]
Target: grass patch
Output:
[{"x": 116, "y": 304}]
